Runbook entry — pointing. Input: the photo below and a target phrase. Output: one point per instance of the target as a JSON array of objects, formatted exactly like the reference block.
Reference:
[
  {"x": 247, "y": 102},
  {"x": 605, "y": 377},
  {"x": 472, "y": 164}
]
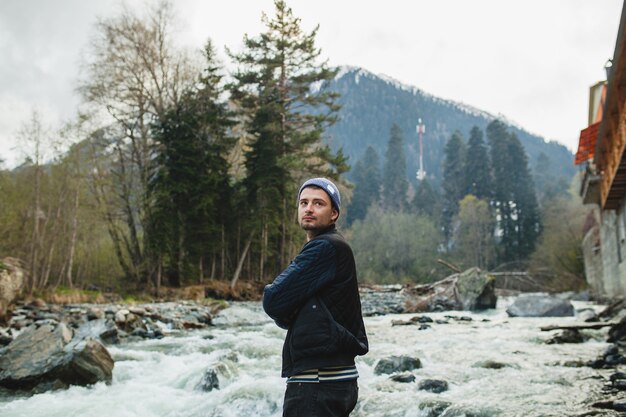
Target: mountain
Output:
[{"x": 372, "y": 103}]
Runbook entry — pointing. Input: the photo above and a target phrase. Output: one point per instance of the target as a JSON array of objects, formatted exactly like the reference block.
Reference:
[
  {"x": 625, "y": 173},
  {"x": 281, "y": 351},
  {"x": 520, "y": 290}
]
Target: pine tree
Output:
[
  {"x": 189, "y": 191},
  {"x": 477, "y": 166},
  {"x": 453, "y": 183},
  {"x": 367, "y": 184},
  {"x": 514, "y": 195},
  {"x": 426, "y": 201},
  {"x": 526, "y": 209},
  {"x": 395, "y": 183},
  {"x": 547, "y": 186},
  {"x": 286, "y": 117}
]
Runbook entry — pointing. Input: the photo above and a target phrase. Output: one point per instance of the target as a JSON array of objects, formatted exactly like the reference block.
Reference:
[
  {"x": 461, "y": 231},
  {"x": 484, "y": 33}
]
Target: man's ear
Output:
[{"x": 335, "y": 215}]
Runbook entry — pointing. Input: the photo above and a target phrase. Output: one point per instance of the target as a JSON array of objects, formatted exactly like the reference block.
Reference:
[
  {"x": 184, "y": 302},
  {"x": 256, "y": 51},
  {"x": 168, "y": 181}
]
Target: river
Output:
[{"x": 160, "y": 377}]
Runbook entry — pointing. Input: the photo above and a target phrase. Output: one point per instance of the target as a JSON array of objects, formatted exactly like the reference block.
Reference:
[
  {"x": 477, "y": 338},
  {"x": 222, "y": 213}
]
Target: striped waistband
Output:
[{"x": 332, "y": 374}]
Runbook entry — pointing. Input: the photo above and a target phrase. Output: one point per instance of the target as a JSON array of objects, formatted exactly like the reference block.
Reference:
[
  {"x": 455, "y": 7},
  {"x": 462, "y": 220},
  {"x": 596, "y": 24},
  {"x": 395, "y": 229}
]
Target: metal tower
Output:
[{"x": 421, "y": 128}]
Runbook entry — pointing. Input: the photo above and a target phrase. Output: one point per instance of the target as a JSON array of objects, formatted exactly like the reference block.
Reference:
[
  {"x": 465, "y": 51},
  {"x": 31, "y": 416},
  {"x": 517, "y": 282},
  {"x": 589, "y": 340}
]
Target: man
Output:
[{"x": 317, "y": 300}]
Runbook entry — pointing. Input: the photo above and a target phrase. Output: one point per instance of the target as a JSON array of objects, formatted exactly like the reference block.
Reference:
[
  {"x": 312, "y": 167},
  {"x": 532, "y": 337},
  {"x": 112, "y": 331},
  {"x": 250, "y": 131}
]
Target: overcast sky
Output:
[{"x": 531, "y": 61}]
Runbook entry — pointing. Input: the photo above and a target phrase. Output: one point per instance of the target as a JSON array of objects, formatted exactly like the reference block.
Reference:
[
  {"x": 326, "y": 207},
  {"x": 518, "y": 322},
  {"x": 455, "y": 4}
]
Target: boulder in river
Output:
[
  {"x": 472, "y": 289},
  {"x": 433, "y": 385},
  {"x": 103, "y": 330},
  {"x": 404, "y": 377},
  {"x": 209, "y": 381},
  {"x": 49, "y": 357},
  {"x": 533, "y": 305},
  {"x": 567, "y": 336},
  {"x": 617, "y": 332},
  {"x": 395, "y": 364}
]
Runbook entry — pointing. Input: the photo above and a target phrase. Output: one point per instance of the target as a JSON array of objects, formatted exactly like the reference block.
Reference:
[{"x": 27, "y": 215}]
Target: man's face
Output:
[{"x": 315, "y": 211}]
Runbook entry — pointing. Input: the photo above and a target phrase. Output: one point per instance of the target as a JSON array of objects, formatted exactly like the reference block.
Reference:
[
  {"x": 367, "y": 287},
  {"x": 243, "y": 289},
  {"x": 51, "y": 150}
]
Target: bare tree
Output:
[
  {"x": 134, "y": 74},
  {"x": 475, "y": 233}
]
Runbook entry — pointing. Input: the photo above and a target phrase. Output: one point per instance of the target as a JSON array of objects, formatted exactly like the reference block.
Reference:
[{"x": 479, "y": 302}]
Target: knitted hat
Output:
[{"x": 326, "y": 185}]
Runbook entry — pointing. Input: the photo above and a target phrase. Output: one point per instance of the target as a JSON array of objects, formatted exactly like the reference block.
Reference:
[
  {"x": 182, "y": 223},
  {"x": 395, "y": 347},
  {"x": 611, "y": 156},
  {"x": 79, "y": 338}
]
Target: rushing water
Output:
[{"x": 160, "y": 377}]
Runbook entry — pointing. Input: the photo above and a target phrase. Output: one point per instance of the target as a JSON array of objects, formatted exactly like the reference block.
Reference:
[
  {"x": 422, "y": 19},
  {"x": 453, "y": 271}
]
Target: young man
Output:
[{"x": 317, "y": 300}]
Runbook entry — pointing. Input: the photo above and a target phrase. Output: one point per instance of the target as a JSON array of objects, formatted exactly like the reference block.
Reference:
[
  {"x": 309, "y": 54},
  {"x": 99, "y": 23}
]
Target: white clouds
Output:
[{"x": 532, "y": 61}]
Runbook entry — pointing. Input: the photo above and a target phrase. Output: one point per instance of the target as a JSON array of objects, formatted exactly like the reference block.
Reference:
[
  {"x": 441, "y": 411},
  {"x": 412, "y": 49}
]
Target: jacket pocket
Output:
[{"x": 314, "y": 331}]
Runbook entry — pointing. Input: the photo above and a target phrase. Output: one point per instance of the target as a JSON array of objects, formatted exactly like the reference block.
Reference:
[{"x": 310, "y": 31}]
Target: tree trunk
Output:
[
  {"x": 70, "y": 261},
  {"x": 235, "y": 278},
  {"x": 263, "y": 249},
  {"x": 223, "y": 251},
  {"x": 158, "y": 278},
  {"x": 34, "y": 242}
]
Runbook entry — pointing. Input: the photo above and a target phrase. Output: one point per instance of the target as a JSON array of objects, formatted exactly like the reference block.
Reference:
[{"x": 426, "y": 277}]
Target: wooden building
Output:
[{"x": 602, "y": 151}]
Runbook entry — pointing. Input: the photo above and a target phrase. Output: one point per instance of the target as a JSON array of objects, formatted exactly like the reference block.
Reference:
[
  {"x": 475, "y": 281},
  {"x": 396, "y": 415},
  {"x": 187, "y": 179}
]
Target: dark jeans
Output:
[{"x": 324, "y": 399}]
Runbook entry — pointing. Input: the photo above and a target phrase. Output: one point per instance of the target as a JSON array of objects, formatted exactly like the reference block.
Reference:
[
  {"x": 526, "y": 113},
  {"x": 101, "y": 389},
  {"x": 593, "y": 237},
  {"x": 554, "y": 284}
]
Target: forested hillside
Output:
[{"x": 371, "y": 104}]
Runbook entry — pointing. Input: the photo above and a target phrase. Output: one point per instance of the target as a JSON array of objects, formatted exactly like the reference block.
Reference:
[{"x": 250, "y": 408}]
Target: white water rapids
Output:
[{"x": 159, "y": 377}]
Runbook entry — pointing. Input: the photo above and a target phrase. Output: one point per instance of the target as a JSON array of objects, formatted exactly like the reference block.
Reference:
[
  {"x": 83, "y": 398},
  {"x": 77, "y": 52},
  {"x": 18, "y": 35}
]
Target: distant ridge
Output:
[{"x": 372, "y": 103}]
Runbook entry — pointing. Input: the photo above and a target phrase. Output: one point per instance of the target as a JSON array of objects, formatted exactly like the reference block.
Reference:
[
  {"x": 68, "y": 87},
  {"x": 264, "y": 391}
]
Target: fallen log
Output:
[{"x": 578, "y": 326}]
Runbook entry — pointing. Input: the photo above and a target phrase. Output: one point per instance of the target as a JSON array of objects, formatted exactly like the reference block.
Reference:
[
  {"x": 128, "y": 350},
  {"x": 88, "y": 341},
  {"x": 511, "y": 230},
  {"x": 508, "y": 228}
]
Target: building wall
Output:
[
  {"x": 613, "y": 242},
  {"x": 592, "y": 254}
]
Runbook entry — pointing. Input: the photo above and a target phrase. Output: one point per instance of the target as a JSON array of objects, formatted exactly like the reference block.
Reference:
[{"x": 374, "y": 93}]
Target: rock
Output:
[
  {"x": 47, "y": 357},
  {"x": 209, "y": 381},
  {"x": 567, "y": 336},
  {"x": 587, "y": 315},
  {"x": 402, "y": 323},
  {"x": 192, "y": 325},
  {"x": 618, "y": 376},
  {"x": 433, "y": 385},
  {"x": 618, "y": 331},
  {"x": 540, "y": 306},
  {"x": 394, "y": 364},
  {"x": 489, "y": 364},
  {"x": 476, "y": 290},
  {"x": 138, "y": 311},
  {"x": 578, "y": 363},
  {"x": 404, "y": 377},
  {"x": 5, "y": 338},
  {"x": 94, "y": 313},
  {"x": 120, "y": 315},
  {"x": 87, "y": 362},
  {"x": 412, "y": 320},
  {"x": 430, "y": 408},
  {"x": 11, "y": 283},
  {"x": 102, "y": 329},
  {"x": 617, "y": 405},
  {"x": 472, "y": 289}
]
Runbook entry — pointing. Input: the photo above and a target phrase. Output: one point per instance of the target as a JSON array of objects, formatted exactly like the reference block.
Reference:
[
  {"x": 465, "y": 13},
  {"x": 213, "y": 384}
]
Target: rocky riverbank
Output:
[{"x": 49, "y": 346}]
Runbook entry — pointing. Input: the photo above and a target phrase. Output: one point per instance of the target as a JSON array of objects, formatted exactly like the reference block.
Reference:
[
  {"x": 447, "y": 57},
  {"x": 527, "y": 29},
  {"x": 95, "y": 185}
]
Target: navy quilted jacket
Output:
[{"x": 316, "y": 298}]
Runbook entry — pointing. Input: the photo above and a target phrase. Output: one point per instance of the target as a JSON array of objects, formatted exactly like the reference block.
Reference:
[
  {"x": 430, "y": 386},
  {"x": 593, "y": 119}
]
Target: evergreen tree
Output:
[
  {"x": 367, "y": 183},
  {"x": 477, "y": 166},
  {"x": 286, "y": 118},
  {"x": 426, "y": 201},
  {"x": 189, "y": 191},
  {"x": 548, "y": 187},
  {"x": 514, "y": 195},
  {"x": 453, "y": 183},
  {"x": 395, "y": 183},
  {"x": 526, "y": 209}
]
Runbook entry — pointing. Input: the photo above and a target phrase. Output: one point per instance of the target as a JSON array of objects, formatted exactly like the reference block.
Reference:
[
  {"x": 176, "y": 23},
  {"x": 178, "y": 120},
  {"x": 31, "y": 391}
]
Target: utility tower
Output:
[{"x": 421, "y": 128}]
